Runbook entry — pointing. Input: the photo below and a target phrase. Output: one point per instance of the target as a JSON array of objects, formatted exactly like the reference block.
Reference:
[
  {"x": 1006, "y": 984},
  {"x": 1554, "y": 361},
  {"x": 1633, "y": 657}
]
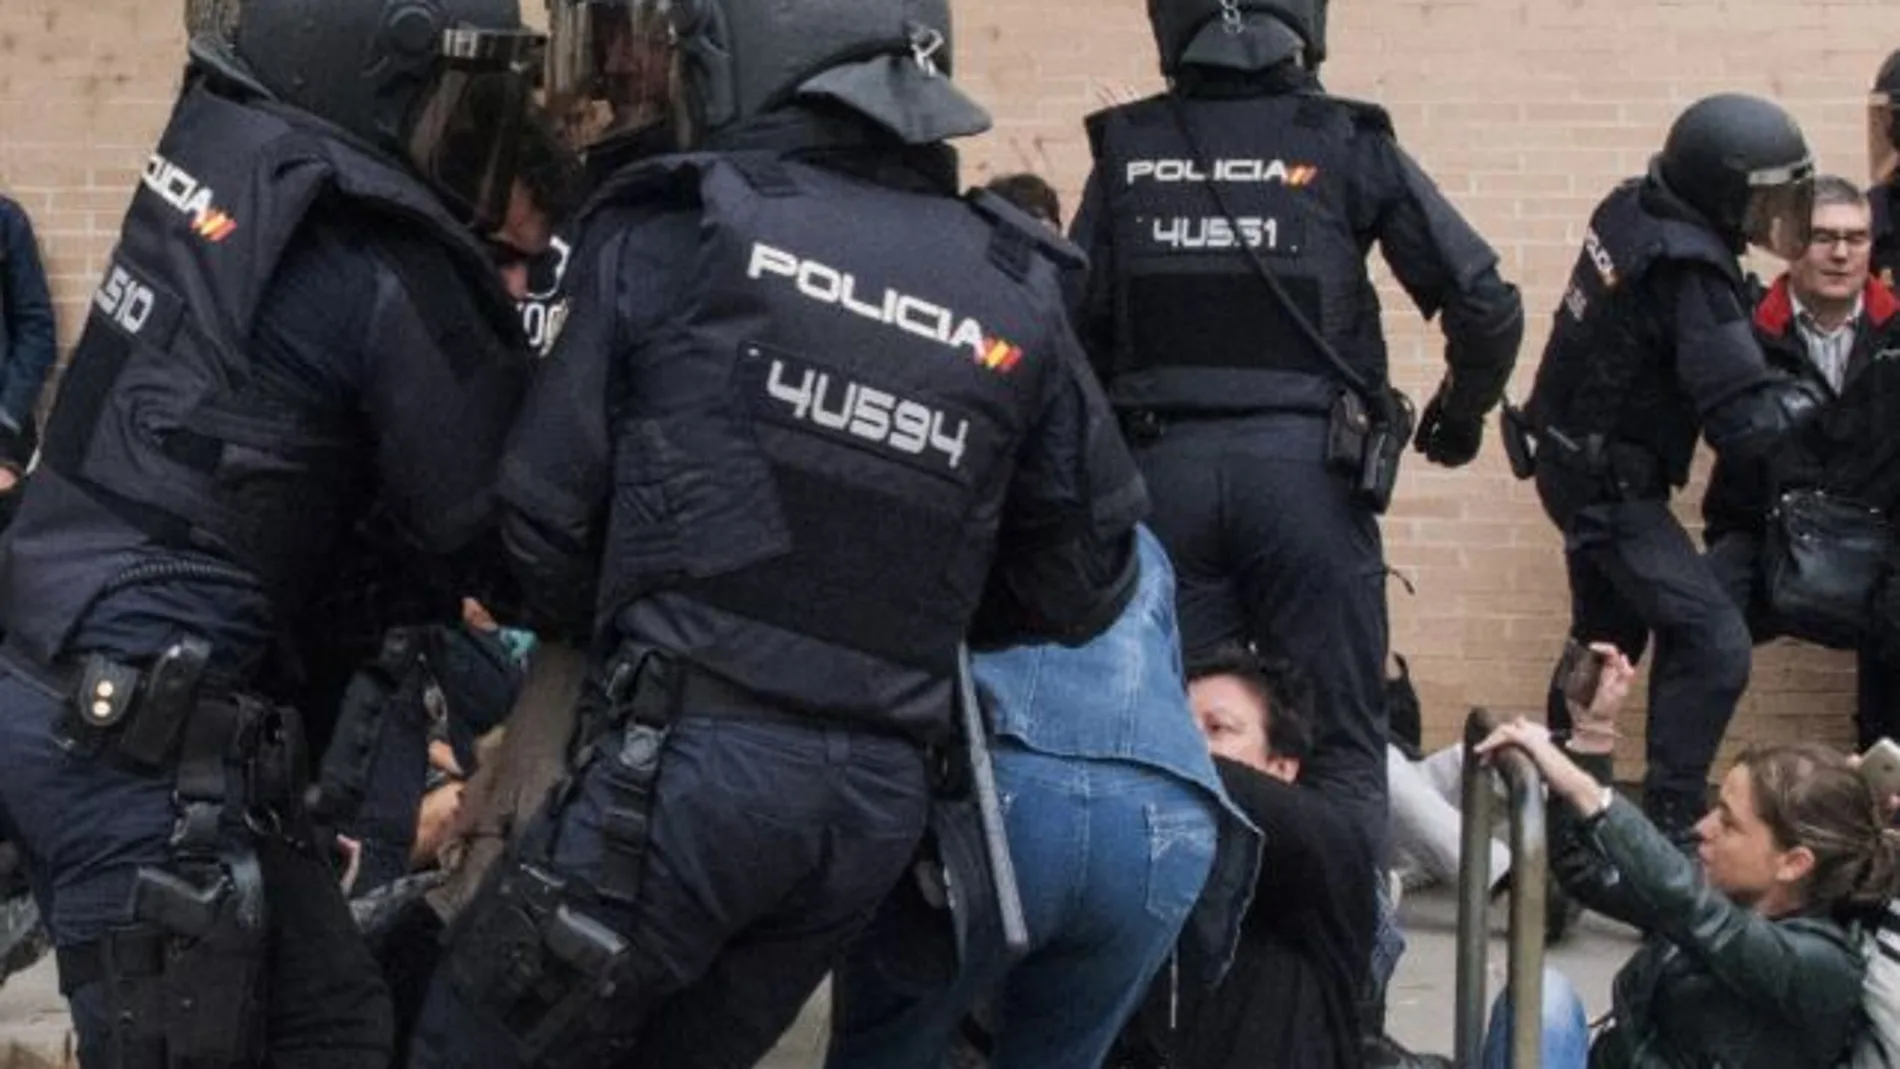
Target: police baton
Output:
[{"x": 989, "y": 808}]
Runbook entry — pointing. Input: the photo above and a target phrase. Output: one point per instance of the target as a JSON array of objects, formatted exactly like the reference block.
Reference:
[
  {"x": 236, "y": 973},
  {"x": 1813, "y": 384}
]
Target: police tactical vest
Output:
[
  {"x": 1196, "y": 326},
  {"x": 807, "y": 501},
  {"x": 1609, "y": 370},
  {"x": 158, "y": 440}
]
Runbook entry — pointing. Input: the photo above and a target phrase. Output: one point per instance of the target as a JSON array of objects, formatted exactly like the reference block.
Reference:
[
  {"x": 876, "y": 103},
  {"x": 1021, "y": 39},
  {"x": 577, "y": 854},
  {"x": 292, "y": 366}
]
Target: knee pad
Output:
[
  {"x": 526, "y": 955},
  {"x": 185, "y": 983}
]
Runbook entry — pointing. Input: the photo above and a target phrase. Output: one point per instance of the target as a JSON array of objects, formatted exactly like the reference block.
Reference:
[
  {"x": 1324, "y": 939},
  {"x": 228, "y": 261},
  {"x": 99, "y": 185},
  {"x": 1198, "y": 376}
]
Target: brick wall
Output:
[{"x": 1525, "y": 110}]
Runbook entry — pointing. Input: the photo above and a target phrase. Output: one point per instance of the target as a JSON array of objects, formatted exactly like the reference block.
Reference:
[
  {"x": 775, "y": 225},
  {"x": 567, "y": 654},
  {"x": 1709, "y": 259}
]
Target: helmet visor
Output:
[
  {"x": 611, "y": 70},
  {"x": 1883, "y": 158},
  {"x": 1780, "y": 209},
  {"x": 466, "y": 135}
]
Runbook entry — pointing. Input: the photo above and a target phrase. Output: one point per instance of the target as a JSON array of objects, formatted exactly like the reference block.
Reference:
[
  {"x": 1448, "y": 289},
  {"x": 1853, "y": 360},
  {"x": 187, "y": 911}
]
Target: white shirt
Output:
[{"x": 1829, "y": 350}]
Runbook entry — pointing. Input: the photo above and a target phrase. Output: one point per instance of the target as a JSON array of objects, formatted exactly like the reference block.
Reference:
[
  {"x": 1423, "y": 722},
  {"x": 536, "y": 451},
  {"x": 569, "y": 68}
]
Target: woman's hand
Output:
[
  {"x": 1561, "y": 774},
  {"x": 1594, "y": 727}
]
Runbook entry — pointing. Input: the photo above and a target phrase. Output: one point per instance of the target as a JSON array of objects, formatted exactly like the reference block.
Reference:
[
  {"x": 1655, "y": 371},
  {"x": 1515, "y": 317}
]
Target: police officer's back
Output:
[
  {"x": 1232, "y": 316},
  {"x": 1652, "y": 348},
  {"x": 297, "y": 329},
  {"x": 812, "y": 420}
]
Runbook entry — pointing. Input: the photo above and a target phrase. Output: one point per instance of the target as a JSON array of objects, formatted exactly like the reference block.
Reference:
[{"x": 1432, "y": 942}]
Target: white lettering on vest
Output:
[
  {"x": 894, "y": 308},
  {"x": 125, "y": 300},
  {"x": 874, "y": 416}
]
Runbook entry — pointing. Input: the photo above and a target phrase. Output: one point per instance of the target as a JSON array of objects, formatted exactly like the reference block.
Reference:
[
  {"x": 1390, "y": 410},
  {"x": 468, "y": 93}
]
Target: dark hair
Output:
[
  {"x": 549, "y": 170},
  {"x": 1030, "y": 193},
  {"x": 1809, "y": 796},
  {"x": 1832, "y": 189},
  {"x": 1283, "y": 689}
]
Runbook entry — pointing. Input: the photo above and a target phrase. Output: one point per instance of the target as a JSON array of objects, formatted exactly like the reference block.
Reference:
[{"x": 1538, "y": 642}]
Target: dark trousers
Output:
[
  {"x": 83, "y": 828},
  {"x": 1634, "y": 573},
  {"x": 1270, "y": 547},
  {"x": 1733, "y": 557},
  {"x": 771, "y": 845}
]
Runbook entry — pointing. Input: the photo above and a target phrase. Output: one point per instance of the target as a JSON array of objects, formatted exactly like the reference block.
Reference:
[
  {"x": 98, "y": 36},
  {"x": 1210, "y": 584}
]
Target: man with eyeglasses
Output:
[{"x": 1828, "y": 322}]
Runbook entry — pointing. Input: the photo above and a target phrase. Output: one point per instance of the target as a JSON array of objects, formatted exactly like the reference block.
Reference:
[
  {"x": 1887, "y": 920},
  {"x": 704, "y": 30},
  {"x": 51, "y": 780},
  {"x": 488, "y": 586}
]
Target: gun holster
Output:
[
  {"x": 526, "y": 952},
  {"x": 185, "y": 981},
  {"x": 1367, "y": 444},
  {"x": 1392, "y": 431}
]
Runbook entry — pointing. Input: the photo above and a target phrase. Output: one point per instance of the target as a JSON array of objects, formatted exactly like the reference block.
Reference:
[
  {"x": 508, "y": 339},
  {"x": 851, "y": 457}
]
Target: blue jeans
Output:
[
  {"x": 1111, "y": 857},
  {"x": 1566, "y": 1029}
]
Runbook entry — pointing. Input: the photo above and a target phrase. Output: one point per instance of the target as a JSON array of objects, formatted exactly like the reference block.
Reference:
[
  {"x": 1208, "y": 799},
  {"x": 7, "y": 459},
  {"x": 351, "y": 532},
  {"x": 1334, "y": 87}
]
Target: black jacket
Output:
[
  {"x": 1291, "y": 998},
  {"x": 1850, "y": 448},
  {"x": 1714, "y": 983}
]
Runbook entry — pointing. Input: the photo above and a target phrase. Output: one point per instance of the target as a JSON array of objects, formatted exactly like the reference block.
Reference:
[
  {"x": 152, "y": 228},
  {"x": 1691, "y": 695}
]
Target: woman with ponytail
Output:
[{"x": 1751, "y": 957}]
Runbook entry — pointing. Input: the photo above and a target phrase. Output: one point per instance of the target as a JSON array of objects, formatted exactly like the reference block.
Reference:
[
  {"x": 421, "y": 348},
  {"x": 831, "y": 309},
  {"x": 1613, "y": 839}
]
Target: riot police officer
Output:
[
  {"x": 812, "y": 420},
  {"x": 1231, "y": 314},
  {"x": 1653, "y": 346},
  {"x": 1883, "y": 157},
  {"x": 298, "y": 329},
  {"x": 608, "y": 140}
]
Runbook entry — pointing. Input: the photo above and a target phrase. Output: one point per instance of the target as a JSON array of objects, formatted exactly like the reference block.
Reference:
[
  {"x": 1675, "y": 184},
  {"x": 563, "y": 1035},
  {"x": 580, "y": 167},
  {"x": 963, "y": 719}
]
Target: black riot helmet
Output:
[
  {"x": 1742, "y": 163},
  {"x": 444, "y": 85},
  {"x": 1883, "y": 132},
  {"x": 728, "y": 61},
  {"x": 1243, "y": 35}
]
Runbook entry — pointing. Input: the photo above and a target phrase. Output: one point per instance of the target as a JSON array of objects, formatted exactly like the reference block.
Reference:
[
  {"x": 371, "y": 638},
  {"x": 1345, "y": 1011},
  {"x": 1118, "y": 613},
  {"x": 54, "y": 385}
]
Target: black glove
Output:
[{"x": 1445, "y": 441}]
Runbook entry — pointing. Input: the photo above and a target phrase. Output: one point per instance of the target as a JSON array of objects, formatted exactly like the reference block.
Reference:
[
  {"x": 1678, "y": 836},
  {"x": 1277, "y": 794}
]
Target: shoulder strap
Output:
[{"x": 1018, "y": 239}]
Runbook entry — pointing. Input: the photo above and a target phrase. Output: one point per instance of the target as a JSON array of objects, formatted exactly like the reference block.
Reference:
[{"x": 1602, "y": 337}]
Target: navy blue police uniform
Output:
[
  {"x": 815, "y": 459},
  {"x": 1229, "y": 402},
  {"x": 245, "y": 394},
  {"x": 1652, "y": 347}
]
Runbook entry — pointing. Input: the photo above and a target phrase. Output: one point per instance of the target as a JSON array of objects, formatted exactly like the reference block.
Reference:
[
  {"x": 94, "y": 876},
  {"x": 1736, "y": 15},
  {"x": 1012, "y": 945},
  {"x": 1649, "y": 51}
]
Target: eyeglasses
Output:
[{"x": 1827, "y": 239}]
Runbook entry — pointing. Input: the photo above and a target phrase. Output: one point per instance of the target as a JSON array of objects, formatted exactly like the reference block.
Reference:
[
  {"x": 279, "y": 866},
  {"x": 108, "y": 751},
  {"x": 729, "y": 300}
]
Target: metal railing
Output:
[{"x": 1530, "y": 873}]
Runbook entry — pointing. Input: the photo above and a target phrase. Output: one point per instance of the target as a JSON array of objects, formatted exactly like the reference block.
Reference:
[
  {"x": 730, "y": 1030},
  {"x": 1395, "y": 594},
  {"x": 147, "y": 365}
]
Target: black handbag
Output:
[{"x": 1822, "y": 560}]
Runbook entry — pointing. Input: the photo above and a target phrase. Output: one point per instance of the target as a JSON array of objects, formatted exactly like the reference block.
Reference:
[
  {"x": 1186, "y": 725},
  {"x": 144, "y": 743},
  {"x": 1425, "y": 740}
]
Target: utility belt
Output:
[
  {"x": 1146, "y": 426},
  {"x": 1365, "y": 442},
  {"x": 185, "y": 978},
  {"x": 171, "y": 715},
  {"x": 1613, "y": 470}
]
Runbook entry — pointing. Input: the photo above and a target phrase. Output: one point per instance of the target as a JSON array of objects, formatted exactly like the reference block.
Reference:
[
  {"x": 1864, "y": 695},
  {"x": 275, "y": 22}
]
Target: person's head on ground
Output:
[
  {"x": 1253, "y": 711},
  {"x": 546, "y": 190},
  {"x": 1034, "y": 196},
  {"x": 1832, "y": 271},
  {"x": 1798, "y": 830}
]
